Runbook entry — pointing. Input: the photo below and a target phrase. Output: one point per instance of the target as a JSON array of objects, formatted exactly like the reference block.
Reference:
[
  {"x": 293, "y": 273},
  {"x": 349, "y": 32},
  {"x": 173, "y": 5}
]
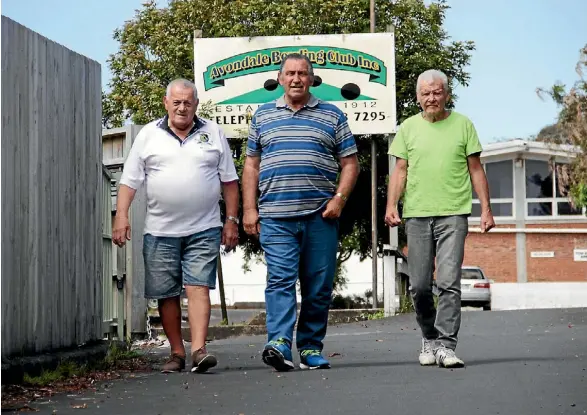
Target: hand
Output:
[
  {"x": 333, "y": 208},
  {"x": 251, "y": 222},
  {"x": 230, "y": 236},
  {"x": 487, "y": 221},
  {"x": 120, "y": 230},
  {"x": 392, "y": 217}
]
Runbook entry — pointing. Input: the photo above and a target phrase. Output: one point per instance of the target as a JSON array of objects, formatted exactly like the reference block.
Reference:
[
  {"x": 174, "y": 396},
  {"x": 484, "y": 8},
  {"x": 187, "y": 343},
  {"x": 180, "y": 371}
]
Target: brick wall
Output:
[
  {"x": 495, "y": 253},
  {"x": 562, "y": 267}
]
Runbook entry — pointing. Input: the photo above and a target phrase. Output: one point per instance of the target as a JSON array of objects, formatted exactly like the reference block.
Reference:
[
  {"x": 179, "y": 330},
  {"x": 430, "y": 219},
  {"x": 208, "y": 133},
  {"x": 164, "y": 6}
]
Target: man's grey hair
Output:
[
  {"x": 432, "y": 75},
  {"x": 298, "y": 56},
  {"x": 184, "y": 83}
]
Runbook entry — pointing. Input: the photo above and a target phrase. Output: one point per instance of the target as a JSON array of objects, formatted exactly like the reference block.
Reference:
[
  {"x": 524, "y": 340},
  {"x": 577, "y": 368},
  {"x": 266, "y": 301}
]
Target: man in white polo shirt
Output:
[{"x": 185, "y": 163}]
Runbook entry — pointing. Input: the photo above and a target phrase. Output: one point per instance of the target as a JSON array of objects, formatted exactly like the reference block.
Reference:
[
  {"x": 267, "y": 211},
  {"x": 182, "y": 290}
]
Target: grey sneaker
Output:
[
  {"x": 446, "y": 357},
  {"x": 427, "y": 354}
]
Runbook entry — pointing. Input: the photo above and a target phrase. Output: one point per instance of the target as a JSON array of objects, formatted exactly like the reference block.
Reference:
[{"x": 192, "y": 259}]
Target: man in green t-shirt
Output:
[{"x": 437, "y": 155}]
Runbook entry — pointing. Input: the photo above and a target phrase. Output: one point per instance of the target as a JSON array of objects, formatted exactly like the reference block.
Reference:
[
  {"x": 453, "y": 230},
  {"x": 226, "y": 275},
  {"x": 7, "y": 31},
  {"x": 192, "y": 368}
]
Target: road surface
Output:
[{"x": 518, "y": 363}]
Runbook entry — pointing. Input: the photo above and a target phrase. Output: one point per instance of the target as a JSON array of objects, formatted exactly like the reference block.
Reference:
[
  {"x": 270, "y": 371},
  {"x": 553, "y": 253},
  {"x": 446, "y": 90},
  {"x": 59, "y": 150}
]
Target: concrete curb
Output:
[
  {"x": 257, "y": 325},
  {"x": 14, "y": 369}
]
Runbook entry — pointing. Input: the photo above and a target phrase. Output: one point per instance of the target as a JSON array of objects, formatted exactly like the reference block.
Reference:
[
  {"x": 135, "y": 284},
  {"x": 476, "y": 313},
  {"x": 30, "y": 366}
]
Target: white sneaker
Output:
[
  {"x": 427, "y": 354},
  {"x": 446, "y": 357}
]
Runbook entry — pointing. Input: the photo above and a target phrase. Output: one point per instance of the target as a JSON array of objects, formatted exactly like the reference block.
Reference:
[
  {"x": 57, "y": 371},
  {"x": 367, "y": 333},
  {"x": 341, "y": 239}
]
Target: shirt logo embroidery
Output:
[{"x": 204, "y": 138}]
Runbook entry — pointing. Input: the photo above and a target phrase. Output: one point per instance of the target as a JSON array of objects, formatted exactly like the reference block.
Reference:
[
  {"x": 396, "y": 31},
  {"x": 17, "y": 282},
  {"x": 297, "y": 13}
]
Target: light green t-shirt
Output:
[{"x": 438, "y": 180}]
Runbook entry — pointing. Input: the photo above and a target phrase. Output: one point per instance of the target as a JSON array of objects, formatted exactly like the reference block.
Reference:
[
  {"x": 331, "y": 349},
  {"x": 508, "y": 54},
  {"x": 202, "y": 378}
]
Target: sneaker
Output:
[
  {"x": 312, "y": 359},
  {"x": 277, "y": 353},
  {"x": 202, "y": 360},
  {"x": 446, "y": 357},
  {"x": 176, "y": 363},
  {"x": 427, "y": 353}
]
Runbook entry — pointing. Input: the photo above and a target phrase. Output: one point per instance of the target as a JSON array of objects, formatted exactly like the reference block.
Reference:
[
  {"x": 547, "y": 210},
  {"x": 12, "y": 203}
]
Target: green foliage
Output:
[
  {"x": 406, "y": 305},
  {"x": 63, "y": 371},
  {"x": 379, "y": 314},
  {"x": 571, "y": 128},
  {"x": 66, "y": 369},
  {"x": 156, "y": 46}
]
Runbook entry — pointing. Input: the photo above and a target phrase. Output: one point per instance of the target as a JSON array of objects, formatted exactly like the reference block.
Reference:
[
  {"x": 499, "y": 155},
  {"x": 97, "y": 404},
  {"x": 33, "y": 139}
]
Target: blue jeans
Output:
[{"x": 303, "y": 248}]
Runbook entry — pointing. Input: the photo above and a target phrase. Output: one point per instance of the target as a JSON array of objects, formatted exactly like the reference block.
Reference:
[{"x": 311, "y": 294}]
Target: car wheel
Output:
[{"x": 487, "y": 307}]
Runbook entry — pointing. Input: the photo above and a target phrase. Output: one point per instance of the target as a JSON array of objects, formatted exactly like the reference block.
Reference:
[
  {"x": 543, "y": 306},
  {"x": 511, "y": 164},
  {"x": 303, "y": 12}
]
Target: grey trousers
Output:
[{"x": 440, "y": 239}]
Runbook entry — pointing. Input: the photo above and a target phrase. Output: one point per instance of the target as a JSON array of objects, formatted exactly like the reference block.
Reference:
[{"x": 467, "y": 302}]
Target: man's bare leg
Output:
[
  {"x": 170, "y": 312},
  {"x": 199, "y": 318}
]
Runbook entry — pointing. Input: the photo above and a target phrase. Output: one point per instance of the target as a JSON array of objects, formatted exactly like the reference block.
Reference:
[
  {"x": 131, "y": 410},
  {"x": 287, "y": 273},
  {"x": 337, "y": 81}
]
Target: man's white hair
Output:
[
  {"x": 184, "y": 83},
  {"x": 432, "y": 75}
]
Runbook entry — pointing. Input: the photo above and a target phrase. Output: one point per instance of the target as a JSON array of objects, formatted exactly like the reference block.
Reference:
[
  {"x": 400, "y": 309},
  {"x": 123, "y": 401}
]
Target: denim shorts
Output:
[{"x": 171, "y": 262}]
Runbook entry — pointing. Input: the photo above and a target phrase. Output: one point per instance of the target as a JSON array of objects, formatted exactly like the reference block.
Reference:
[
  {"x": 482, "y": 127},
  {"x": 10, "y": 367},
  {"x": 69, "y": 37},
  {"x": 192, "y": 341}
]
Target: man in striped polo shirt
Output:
[{"x": 293, "y": 150}]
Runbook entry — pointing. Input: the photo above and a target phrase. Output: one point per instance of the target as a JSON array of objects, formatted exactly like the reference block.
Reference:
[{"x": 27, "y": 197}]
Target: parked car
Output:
[{"x": 475, "y": 288}]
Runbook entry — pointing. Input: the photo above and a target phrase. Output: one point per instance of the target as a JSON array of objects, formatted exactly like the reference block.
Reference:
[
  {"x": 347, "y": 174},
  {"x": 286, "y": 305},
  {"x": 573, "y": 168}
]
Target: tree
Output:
[
  {"x": 156, "y": 46},
  {"x": 571, "y": 128}
]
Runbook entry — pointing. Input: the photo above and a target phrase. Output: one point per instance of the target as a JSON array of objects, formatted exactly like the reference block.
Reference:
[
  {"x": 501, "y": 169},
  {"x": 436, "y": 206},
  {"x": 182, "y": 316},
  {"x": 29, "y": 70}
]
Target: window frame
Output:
[
  {"x": 510, "y": 200},
  {"x": 554, "y": 201}
]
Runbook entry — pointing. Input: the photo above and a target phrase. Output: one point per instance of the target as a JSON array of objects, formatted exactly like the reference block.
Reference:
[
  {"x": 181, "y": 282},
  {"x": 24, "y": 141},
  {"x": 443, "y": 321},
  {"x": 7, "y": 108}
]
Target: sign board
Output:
[
  {"x": 355, "y": 72},
  {"x": 580, "y": 254},
  {"x": 542, "y": 254}
]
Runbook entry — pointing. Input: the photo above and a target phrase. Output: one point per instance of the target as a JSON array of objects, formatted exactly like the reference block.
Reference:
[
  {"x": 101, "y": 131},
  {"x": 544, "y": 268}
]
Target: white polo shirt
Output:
[{"x": 182, "y": 179}]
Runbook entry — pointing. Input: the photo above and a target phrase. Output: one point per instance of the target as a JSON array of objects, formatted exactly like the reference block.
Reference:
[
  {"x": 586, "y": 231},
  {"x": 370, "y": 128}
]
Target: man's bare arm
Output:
[
  {"x": 250, "y": 185},
  {"x": 348, "y": 174},
  {"x": 397, "y": 182},
  {"x": 124, "y": 199},
  {"x": 121, "y": 225},
  {"x": 250, "y": 182},
  {"x": 479, "y": 181},
  {"x": 231, "y": 196}
]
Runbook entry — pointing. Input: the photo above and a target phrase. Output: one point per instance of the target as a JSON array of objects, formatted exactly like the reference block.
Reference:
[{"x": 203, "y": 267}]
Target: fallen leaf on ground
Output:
[
  {"x": 20, "y": 395},
  {"x": 26, "y": 408},
  {"x": 83, "y": 406}
]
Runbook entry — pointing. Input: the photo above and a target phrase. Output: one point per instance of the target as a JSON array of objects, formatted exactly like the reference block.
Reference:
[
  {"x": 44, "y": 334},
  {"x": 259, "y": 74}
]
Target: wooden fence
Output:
[{"x": 51, "y": 194}]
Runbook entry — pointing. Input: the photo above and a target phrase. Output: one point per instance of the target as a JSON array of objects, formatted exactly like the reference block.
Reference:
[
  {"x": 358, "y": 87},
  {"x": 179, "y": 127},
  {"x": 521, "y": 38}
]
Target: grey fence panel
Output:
[{"x": 51, "y": 194}]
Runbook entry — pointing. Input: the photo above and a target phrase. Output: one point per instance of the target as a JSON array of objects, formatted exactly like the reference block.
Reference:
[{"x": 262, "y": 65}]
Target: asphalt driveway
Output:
[{"x": 518, "y": 362}]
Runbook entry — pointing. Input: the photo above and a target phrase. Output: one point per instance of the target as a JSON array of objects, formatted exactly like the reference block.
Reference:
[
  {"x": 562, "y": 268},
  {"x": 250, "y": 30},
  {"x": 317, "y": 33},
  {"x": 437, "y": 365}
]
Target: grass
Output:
[
  {"x": 68, "y": 369},
  {"x": 64, "y": 371},
  {"x": 376, "y": 316},
  {"x": 406, "y": 305}
]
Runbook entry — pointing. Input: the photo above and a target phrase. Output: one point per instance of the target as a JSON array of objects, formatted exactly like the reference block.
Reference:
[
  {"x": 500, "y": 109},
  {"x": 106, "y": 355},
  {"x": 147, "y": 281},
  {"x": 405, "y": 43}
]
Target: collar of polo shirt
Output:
[
  {"x": 280, "y": 103},
  {"x": 164, "y": 124}
]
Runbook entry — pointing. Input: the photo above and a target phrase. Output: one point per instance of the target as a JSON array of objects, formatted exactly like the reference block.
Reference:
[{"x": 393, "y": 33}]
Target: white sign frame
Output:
[
  {"x": 580, "y": 255},
  {"x": 542, "y": 254},
  {"x": 236, "y": 75}
]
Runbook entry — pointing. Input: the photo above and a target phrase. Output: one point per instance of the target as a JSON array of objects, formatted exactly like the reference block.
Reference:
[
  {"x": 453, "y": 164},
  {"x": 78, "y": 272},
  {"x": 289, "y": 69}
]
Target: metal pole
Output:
[
  {"x": 221, "y": 287},
  {"x": 373, "y": 185}
]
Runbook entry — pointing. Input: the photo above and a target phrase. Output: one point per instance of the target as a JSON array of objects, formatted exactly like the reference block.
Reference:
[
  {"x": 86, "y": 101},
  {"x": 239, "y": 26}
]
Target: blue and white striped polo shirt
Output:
[{"x": 299, "y": 151}]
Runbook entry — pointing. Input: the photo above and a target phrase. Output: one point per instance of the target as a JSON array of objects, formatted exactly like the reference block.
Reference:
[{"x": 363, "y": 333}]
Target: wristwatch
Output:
[
  {"x": 233, "y": 219},
  {"x": 343, "y": 197}
]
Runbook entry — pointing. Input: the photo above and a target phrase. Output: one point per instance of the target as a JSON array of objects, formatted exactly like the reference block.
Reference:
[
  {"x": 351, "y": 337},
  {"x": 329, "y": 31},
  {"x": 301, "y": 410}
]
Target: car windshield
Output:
[{"x": 471, "y": 274}]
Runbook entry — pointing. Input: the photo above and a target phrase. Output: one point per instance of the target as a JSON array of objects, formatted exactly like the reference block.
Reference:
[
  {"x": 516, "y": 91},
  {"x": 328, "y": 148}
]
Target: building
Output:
[{"x": 539, "y": 236}]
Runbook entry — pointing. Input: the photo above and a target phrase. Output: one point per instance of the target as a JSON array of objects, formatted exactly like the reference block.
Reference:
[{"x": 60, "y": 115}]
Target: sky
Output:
[{"x": 520, "y": 45}]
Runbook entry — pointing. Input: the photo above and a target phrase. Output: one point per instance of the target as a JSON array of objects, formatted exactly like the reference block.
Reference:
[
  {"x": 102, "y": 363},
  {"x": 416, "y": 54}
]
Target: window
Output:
[
  {"x": 547, "y": 189},
  {"x": 500, "y": 176}
]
